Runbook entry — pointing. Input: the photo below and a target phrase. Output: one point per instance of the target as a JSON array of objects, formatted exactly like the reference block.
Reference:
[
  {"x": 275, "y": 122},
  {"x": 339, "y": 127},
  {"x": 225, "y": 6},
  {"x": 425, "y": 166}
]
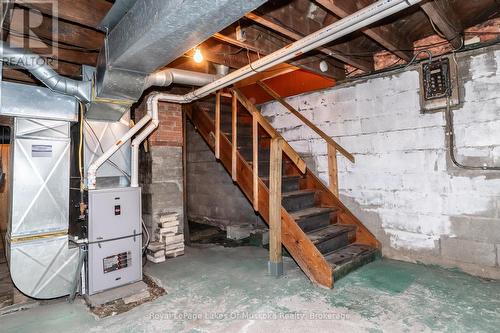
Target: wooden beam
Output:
[
  {"x": 217, "y": 125},
  {"x": 444, "y": 18},
  {"x": 268, "y": 74},
  {"x": 362, "y": 64},
  {"x": 275, "y": 168},
  {"x": 387, "y": 36},
  {"x": 255, "y": 162},
  {"x": 18, "y": 76},
  {"x": 234, "y": 133},
  {"x": 64, "y": 54},
  {"x": 89, "y": 13},
  {"x": 260, "y": 46},
  {"x": 306, "y": 121},
  {"x": 333, "y": 178},
  {"x": 237, "y": 43},
  {"x": 67, "y": 33}
]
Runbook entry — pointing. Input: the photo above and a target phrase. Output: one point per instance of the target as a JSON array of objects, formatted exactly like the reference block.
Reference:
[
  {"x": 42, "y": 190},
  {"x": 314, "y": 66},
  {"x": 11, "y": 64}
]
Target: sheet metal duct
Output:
[
  {"x": 42, "y": 263},
  {"x": 152, "y": 34}
]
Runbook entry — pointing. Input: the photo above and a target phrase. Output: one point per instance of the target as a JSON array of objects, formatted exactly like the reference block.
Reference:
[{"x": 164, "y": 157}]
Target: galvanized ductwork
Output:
[
  {"x": 152, "y": 34},
  {"x": 43, "y": 72}
]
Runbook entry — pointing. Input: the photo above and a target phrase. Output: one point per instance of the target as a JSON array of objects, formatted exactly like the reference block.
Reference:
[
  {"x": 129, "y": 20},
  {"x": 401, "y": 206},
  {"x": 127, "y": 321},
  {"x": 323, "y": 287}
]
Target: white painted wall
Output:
[{"x": 403, "y": 185}]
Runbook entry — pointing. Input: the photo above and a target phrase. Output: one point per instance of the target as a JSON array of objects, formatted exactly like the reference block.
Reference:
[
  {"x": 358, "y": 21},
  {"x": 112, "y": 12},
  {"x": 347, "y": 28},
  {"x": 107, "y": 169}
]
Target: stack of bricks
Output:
[{"x": 167, "y": 241}]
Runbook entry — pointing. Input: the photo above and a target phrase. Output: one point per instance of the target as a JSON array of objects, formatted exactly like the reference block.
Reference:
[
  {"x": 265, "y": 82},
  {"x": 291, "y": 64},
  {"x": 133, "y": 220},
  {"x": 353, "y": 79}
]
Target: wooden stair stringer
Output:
[
  {"x": 345, "y": 216},
  {"x": 298, "y": 244}
]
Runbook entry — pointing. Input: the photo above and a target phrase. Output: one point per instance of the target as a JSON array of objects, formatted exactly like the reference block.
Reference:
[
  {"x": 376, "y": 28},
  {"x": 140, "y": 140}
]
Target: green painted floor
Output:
[{"x": 218, "y": 289}]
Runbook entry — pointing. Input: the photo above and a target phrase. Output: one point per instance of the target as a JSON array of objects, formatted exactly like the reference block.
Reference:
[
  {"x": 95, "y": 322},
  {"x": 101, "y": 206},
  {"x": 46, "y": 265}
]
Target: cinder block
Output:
[
  {"x": 476, "y": 228},
  {"x": 469, "y": 251},
  {"x": 498, "y": 254}
]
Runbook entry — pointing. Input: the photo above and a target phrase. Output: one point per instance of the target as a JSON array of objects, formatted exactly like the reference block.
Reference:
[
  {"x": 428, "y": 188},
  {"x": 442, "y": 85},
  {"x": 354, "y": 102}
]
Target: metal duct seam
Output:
[{"x": 37, "y": 66}]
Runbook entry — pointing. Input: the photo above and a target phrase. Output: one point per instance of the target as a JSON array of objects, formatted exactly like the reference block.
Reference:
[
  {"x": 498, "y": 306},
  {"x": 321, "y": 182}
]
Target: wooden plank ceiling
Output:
[{"x": 272, "y": 26}]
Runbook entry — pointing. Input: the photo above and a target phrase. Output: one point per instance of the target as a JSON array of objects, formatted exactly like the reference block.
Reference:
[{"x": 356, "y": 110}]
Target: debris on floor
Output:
[
  {"x": 125, "y": 304},
  {"x": 167, "y": 241}
]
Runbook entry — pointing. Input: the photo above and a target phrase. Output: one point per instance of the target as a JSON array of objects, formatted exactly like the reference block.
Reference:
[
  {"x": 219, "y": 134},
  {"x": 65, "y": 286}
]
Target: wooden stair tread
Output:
[
  {"x": 284, "y": 177},
  {"x": 308, "y": 212},
  {"x": 297, "y": 193},
  {"x": 351, "y": 257},
  {"x": 331, "y": 231}
]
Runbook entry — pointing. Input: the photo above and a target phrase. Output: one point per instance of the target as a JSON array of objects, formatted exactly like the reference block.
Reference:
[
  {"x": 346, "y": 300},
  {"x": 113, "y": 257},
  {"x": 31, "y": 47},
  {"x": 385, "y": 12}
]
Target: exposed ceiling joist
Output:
[
  {"x": 264, "y": 46},
  {"x": 88, "y": 13},
  {"x": 386, "y": 36},
  {"x": 237, "y": 43},
  {"x": 67, "y": 33},
  {"x": 363, "y": 64},
  {"x": 59, "y": 51},
  {"x": 444, "y": 19}
]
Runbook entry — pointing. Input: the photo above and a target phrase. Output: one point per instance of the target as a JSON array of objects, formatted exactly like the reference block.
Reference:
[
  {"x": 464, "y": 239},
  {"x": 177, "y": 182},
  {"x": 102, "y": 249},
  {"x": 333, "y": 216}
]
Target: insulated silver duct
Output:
[{"x": 37, "y": 66}]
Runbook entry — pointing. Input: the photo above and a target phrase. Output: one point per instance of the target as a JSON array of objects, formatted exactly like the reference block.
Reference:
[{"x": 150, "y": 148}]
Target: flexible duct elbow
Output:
[{"x": 37, "y": 66}]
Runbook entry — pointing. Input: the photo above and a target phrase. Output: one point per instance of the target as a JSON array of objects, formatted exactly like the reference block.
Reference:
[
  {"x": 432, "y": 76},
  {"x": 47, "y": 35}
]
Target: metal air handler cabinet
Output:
[{"x": 115, "y": 239}]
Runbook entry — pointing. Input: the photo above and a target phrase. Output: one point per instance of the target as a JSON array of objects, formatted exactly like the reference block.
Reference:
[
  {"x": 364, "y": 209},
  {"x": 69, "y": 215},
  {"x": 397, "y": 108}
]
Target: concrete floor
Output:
[{"x": 209, "y": 287}]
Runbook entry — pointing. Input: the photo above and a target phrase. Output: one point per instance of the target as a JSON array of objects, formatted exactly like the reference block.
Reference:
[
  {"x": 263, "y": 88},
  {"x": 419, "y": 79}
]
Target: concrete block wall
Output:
[
  {"x": 161, "y": 168},
  {"x": 213, "y": 198},
  {"x": 403, "y": 185}
]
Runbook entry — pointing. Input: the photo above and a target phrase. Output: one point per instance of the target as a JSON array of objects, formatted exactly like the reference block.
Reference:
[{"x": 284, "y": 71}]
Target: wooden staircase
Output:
[{"x": 326, "y": 240}]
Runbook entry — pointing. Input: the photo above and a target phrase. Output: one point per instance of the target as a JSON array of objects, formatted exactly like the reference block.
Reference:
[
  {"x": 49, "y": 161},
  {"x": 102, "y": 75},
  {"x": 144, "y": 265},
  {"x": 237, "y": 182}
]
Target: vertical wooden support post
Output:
[
  {"x": 234, "y": 132},
  {"x": 255, "y": 161},
  {"x": 332, "y": 170},
  {"x": 217, "y": 125},
  {"x": 275, "y": 265}
]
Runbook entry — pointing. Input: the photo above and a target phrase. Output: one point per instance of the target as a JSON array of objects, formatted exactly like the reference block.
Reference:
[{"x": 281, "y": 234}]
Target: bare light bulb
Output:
[{"x": 197, "y": 57}]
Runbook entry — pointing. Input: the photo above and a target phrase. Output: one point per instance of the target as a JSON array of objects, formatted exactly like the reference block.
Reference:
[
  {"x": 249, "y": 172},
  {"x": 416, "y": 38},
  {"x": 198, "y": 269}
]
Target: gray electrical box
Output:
[
  {"x": 438, "y": 84},
  {"x": 115, "y": 238}
]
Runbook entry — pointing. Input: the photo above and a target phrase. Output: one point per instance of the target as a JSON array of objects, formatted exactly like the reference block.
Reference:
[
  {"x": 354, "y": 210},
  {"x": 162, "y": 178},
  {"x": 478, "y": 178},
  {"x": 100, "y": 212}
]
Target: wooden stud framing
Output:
[
  {"x": 333, "y": 170},
  {"x": 217, "y": 125},
  {"x": 255, "y": 162},
  {"x": 234, "y": 133},
  {"x": 275, "y": 169},
  {"x": 287, "y": 149}
]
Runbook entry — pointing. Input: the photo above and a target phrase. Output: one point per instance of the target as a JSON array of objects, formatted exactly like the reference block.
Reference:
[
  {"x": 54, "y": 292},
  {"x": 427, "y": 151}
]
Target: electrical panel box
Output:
[
  {"x": 115, "y": 238},
  {"x": 438, "y": 84}
]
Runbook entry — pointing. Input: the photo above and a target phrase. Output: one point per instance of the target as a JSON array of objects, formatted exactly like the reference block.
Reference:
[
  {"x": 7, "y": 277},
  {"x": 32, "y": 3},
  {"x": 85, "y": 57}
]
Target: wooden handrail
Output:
[
  {"x": 287, "y": 149},
  {"x": 306, "y": 121}
]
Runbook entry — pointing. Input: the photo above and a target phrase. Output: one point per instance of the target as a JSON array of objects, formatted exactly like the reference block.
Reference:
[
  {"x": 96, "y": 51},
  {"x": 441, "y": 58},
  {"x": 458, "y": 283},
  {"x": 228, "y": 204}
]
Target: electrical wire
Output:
[
  {"x": 80, "y": 151},
  {"x": 451, "y": 131},
  {"x": 147, "y": 236}
]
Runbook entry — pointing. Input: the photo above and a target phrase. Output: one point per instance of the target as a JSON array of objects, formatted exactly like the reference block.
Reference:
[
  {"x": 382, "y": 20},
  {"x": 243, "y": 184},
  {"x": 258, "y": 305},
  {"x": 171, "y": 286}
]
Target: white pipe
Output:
[
  {"x": 358, "y": 20},
  {"x": 91, "y": 174},
  {"x": 168, "y": 76},
  {"x": 152, "y": 109}
]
